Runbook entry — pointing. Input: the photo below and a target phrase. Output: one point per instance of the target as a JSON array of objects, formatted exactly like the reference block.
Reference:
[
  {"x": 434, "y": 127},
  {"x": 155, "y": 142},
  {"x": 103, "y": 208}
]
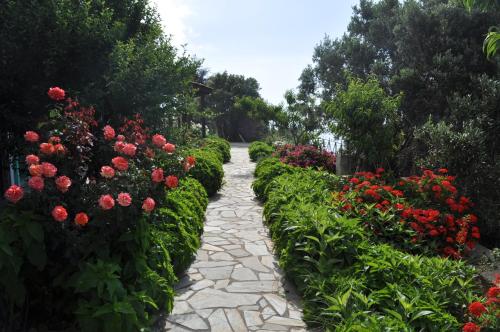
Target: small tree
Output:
[{"x": 366, "y": 118}]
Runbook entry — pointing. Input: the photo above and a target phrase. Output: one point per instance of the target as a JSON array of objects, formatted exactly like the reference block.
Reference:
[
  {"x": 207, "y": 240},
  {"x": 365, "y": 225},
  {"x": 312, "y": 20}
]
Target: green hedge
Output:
[
  {"x": 208, "y": 170},
  {"x": 258, "y": 150},
  {"x": 266, "y": 170},
  {"x": 220, "y": 145},
  {"x": 348, "y": 282},
  {"x": 181, "y": 222}
]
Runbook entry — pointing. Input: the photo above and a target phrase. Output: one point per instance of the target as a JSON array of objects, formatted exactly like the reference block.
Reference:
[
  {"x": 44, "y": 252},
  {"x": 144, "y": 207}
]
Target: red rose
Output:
[
  {"x": 81, "y": 219},
  {"x": 48, "y": 170},
  {"x": 157, "y": 175},
  {"x": 124, "y": 199},
  {"x": 171, "y": 181},
  {"x": 56, "y": 93},
  {"x": 59, "y": 213},
  {"x": 109, "y": 133},
  {"x": 36, "y": 183},
  {"x": 120, "y": 163},
  {"x": 477, "y": 309},
  {"x": 158, "y": 140},
  {"x": 107, "y": 172},
  {"x": 63, "y": 183},
  {"x": 36, "y": 170},
  {"x": 148, "y": 205},
  {"x": 169, "y": 148},
  {"x": 119, "y": 145},
  {"x": 106, "y": 202},
  {"x": 31, "y": 159},
  {"x": 120, "y": 138},
  {"x": 31, "y": 136},
  {"x": 14, "y": 194},
  {"x": 471, "y": 327},
  {"x": 129, "y": 149},
  {"x": 47, "y": 148}
]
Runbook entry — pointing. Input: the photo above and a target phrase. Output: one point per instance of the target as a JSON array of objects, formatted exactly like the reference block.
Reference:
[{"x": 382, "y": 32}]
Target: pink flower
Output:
[
  {"x": 148, "y": 205},
  {"x": 157, "y": 175},
  {"x": 14, "y": 194},
  {"x": 120, "y": 138},
  {"x": 31, "y": 159},
  {"x": 47, "y": 148},
  {"x": 169, "y": 148},
  {"x": 124, "y": 199},
  {"x": 129, "y": 149},
  {"x": 56, "y": 93},
  {"x": 106, "y": 202},
  {"x": 158, "y": 140},
  {"x": 59, "y": 213},
  {"x": 36, "y": 170},
  {"x": 59, "y": 149},
  {"x": 31, "y": 136},
  {"x": 107, "y": 172},
  {"x": 54, "y": 139},
  {"x": 109, "y": 133},
  {"x": 63, "y": 183},
  {"x": 172, "y": 181},
  {"x": 119, "y": 145},
  {"x": 49, "y": 170},
  {"x": 81, "y": 219},
  {"x": 120, "y": 163},
  {"x": 36, "y": 183}
]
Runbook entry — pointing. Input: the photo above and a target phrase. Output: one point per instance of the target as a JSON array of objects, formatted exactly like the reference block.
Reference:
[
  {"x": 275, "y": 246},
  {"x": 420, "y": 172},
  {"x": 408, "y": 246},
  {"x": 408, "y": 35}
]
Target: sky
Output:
[{"x": 270, "y": 40}]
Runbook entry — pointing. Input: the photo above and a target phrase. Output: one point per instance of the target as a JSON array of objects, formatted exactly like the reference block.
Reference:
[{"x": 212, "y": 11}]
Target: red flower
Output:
[
  {"x": 379, "y": 170},
  {"x": 354, "y": 180},
  {"x": 433, "y": 233},
  {"x": 106, "y": 202},
  {"x": 191, "y": 160},
  {"x": 158, "y": 140},
  {"x": 120, "y": 138},
  {"x": 49, "y": 170},
  {"x": 36, "y": 183},
  {"x": 119, "y": 145},
  {"x": 443, "y": 170},
  {"x": 31, "y": 159},
  {"x": 157, "y": 175},
  {"x": 471, "y": 327},
  {"x": 171, "y": 181},
  {"x": 109, "y": 133},
  {"x": 47, "y": 148},
  {"x": 31, "y": 136},
  {"x": 120, "y": 163},
  {"x": 399, "y": 206},
  {"x": 54, "y": 139},
  {"x": 477, "y": 309},
  {"x": 148, "y": 205},
  {"x": 81, "y": 219},
  {"x": 59, "y": 213},
  {"x": 36, "y": 170},
  {"x": 63, "y": 183},
  {"x": 493, "y": 291},
  {"x": 129, "y": 149},
  {"x": 124, "y": 199},
  {"x": 59, "y": 148},
  {"x": 169, "y": 148},
  {"x": 107, "y": 172},
  {"x": 149, "y": 153},
  {"x": 56, "y": 93},
  {"x": 14, "y": 194},
  {"x": 436, "y": 188}
]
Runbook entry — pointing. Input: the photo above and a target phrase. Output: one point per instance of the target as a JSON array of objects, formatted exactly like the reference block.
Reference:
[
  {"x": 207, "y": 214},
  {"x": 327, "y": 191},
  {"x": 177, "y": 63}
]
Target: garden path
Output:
[{"x": 235, "y": 283}]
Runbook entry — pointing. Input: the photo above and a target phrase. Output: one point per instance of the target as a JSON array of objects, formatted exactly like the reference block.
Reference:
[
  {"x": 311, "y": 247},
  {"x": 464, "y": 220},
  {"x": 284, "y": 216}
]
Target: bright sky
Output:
[{"x": 270, "y": 40}]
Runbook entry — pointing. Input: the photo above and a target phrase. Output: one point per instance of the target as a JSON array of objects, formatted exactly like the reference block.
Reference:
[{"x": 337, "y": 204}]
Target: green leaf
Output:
[
  {"x": 422, "y": 313},
  {"x": 37, "y": 256},
  {"x": 35, "y": 230}
]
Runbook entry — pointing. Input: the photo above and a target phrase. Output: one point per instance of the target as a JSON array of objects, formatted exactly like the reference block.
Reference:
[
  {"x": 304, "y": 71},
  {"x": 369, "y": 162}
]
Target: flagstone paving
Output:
[{"x": 235, "y": 283}]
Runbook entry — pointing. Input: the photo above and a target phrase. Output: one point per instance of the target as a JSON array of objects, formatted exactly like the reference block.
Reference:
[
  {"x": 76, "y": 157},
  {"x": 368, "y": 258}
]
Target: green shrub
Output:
[
  {"x": 349, "y": 283},
  {"x": 180, "y": 222},
  {"x": 220, "y": 145},
  {"x": 258, "y": 150},
  {"x": 208, "y": 170},
  {"x": 265, "y": 171}
]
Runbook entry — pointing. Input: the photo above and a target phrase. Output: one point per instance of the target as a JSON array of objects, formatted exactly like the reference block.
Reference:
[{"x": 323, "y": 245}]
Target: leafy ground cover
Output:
[{"x": 366, "y": 266}]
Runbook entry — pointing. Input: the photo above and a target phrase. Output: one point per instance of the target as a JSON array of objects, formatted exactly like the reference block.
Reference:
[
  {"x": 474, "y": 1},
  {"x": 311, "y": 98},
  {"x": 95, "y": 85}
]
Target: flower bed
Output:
[
  {"x": 354, "y": 280},
  {"x": 306, "y": 156},
  {"x": 108, "y": 215}
]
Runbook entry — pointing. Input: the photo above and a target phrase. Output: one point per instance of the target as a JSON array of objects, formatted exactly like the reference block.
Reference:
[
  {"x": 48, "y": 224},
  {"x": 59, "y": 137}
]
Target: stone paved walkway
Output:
[{"x": 235, "y": 283}]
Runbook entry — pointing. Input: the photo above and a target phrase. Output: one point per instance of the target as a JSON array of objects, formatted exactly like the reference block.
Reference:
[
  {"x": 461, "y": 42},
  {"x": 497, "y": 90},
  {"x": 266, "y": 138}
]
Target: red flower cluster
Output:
[
  {"x": 426, "y": 206},
  {"x": 486, "y": 313},
  {"x": 306, "y": 156}
]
